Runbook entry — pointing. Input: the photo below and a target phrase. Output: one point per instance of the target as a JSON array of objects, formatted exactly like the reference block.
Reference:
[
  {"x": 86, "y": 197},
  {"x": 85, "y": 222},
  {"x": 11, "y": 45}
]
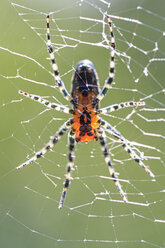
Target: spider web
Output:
[{"x": 94, "y": 214}]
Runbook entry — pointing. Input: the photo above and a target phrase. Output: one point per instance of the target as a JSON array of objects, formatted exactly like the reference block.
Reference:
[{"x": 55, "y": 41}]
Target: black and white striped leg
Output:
[
  {"x": 54, "y": 139},
  {"x": 126, "y": 145},
  {"x": 45, "y": 102},
  {"x": 70, "y": 166},
  {"x": 109, "y": 80},
  {"x": 118, "y": 106},
  {"x": 102, "y": 139},
  {"x": 54, "y": 65}
]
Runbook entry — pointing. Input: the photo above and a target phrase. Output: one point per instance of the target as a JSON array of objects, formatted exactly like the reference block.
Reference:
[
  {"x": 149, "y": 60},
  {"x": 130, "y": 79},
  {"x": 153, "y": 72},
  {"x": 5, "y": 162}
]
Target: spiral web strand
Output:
[{"x": 94, "y": 215}]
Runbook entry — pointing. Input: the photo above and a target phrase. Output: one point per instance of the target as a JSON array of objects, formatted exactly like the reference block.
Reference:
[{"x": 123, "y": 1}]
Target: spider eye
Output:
[
  {"x": 85, "y": 92},
  {"x": 84, "y": 68}
]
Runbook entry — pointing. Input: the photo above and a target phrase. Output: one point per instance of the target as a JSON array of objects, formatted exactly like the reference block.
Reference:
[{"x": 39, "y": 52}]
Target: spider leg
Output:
[
  {"x": 115, "y": 107},
  {"x": 70, "y": 166},
  {"x": 109, "y": 80},
  {"x": 57, "y": 77},
  {"x": 126, "y": 145},
  {"x": 102, "y": 139},
  {"x": 45, "y": 102},
  {"x": 62, "y": 130}
]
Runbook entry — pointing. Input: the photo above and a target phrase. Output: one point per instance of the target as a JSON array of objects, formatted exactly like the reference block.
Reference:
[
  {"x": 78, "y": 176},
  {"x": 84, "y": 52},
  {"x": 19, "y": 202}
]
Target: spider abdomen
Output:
[{"x": 85, "y": 123}]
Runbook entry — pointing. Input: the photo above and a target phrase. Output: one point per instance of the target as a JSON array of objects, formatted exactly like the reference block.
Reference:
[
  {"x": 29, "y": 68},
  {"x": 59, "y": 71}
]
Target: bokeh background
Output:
[{"x": 93, "y": 215}]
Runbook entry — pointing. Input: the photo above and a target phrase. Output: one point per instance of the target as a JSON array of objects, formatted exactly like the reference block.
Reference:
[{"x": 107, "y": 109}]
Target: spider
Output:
[{"x": 85, "y": 124}]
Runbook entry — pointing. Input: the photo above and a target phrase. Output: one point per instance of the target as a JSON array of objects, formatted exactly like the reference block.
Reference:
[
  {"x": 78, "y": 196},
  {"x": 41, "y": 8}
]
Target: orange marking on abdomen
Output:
[{"x": 93, "y": 125}]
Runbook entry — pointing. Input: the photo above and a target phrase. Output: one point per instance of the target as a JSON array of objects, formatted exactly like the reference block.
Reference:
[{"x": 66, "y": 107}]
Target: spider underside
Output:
[{"x": 85, "y": 124}]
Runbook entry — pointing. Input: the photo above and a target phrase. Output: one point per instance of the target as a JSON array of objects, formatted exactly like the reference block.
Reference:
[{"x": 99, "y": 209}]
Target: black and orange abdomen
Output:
[{"x": 85, "y": 124}]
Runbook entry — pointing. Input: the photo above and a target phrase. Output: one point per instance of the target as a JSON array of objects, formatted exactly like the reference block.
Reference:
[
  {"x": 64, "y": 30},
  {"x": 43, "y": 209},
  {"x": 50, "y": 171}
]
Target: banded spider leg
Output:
[
  {"x": 125, "y": 144},
  {"x": 62, "y": 130}
]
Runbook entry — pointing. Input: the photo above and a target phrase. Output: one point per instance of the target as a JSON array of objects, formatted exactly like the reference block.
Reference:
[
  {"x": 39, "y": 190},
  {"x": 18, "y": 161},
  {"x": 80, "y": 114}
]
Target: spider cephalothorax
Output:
[
  {"x": 85, "y": 124},
  {"x": 85, "y": 79}
]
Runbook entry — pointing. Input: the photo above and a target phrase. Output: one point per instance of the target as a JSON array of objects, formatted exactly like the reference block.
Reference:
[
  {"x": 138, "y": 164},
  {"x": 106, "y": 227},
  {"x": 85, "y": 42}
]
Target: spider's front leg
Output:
[
  {"x": 57, "y": 77},
  {"x": 110, "y": 79},
  {"x": 70, "y": 165},
  {"x": 102, "y": 139},
  {"x": 126, "y": 145},
  {"x": 62, "y": 130}
]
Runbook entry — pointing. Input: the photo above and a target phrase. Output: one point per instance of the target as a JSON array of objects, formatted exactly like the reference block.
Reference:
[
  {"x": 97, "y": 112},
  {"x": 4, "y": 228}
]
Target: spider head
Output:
[{"x": 85, "y": 78}]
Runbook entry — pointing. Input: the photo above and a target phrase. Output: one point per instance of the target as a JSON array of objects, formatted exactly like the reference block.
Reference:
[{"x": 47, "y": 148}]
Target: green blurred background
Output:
[{"x": 29, "y": 214}]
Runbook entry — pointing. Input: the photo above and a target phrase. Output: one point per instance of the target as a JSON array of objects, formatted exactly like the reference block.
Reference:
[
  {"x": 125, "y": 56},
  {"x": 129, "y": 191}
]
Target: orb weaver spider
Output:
[{"x": 85, "y": 124}]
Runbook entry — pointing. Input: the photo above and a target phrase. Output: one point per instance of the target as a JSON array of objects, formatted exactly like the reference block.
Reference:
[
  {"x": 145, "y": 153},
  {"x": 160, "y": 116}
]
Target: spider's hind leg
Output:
[
  {"x": 70, "y": 165},
  {"x": 102, "y": 139},
  {"x": 126, "y": 145},
  {"x": 62, "y": 130}
]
